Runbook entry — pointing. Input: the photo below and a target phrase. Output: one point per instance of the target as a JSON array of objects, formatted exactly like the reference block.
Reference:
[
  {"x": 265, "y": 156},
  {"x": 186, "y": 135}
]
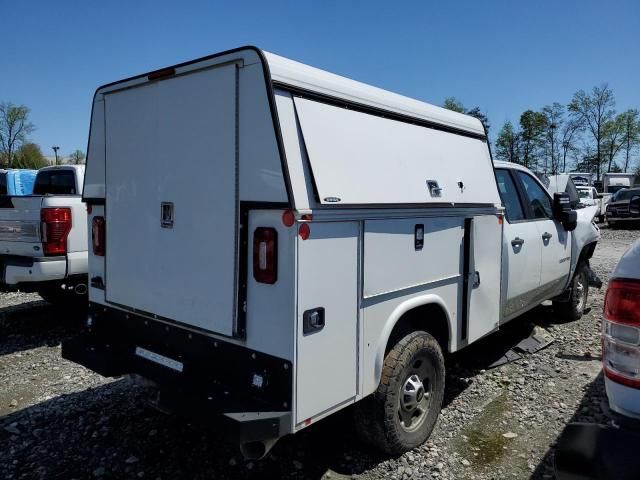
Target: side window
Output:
[
  {"x": 538, "y": 200},
  {"x": 509, "y": 196}
]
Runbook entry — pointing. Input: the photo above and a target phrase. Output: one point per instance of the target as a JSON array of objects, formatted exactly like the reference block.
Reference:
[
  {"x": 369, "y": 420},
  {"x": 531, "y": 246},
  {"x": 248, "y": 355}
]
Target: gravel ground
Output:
[{"x": 58, "y": 420}]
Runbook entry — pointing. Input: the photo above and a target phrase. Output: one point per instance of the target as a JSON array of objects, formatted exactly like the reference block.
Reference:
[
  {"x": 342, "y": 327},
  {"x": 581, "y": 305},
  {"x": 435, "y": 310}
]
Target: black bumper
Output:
[{"x": 216, "y": 381}]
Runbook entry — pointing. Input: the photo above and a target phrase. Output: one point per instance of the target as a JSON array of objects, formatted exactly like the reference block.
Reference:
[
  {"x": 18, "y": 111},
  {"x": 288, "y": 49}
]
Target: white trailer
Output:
[{"x": 273, "y": 243}]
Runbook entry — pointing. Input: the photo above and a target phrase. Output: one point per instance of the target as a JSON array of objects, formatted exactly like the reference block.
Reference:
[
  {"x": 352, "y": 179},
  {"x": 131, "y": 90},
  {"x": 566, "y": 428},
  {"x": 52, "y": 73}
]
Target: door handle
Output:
[
  {"x": 517, "y": 242},
  {"x": 546, "y": 236}
]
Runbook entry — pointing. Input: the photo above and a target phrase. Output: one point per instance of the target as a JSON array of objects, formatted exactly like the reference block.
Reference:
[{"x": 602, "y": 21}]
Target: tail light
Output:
[
  {"x": 621, "y": 332},
  {"x": 98, "y": 236},
  {"x": 265, "y": 255},
  {"x": 56, "y": 225}
]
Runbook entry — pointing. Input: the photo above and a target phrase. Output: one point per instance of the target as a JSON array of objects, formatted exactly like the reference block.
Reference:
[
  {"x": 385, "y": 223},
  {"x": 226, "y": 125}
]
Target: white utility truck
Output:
[
  {"x": 43, "y": 237},
  {"x": 612, "y": 182},
  {"x": 272, "y": 243}
]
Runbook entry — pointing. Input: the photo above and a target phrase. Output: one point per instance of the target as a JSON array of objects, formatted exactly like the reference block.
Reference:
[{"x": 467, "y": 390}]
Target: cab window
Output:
[
  {"x": 509, "y": 196},
  {"x": 538, "y": 202}
]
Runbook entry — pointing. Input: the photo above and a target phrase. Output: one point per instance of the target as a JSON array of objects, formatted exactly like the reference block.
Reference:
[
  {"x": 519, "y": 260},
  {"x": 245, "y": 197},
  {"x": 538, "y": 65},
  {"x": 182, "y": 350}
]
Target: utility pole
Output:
[{"x": 55, "y": 150}]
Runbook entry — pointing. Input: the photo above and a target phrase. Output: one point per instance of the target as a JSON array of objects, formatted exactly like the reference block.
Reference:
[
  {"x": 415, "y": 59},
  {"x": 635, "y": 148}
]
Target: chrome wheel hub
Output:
[{"x": 415, "y": 396}]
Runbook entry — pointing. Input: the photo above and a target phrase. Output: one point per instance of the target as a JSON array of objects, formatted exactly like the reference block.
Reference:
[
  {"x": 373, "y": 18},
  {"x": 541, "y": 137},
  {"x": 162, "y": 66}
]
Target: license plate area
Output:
[{"x": 160, "y": 359}]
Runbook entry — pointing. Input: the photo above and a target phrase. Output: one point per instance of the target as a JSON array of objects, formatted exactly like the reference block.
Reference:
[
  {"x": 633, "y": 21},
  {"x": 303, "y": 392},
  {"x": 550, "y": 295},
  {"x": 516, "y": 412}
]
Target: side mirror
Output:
[
  {"x": 570, "y": 221},
  {"x": 600, "y": 195},
  {"x": 634, "y": 205},
  {"x": 562, "y": 211},
  {"x": 561, "y": 205}
]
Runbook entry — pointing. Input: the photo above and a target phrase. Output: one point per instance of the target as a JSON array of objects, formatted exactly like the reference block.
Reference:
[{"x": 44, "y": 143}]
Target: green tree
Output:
[
  {"x": 77, "y": 157},
  {"x": 452, "y": 103},
  {"x": 29, "y": 155},
  {"x": 531, "y": 132},
  {"x": 612, "y": 139},
  {"x": 14, "y": 129},
  {"x": 552, "y": 127},
  {"x": 594, "y": 110},
  {"x": 508, "y": 144},
  {"x": 631, "y": 134},
  {"x": 570, "y": 133}
]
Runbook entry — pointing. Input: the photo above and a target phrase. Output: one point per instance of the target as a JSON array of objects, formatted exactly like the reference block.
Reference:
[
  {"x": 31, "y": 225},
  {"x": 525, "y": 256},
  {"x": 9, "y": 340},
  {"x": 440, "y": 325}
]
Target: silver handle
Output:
[
  {"x": 517, "y": 242},
  {"x": 546, "y": 236}
]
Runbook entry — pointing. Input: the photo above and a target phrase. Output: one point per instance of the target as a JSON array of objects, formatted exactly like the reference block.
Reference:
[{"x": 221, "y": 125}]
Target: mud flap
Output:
[{"x": 594, "y": 281}]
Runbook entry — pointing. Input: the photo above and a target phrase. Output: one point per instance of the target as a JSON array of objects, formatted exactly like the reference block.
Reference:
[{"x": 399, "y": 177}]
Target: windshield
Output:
[
  {"x": 55, "y": 182},
  {"x": 615, "y": 188},
  {"x": 625, "y": 194},
  {"x": 584, "y": 193}
]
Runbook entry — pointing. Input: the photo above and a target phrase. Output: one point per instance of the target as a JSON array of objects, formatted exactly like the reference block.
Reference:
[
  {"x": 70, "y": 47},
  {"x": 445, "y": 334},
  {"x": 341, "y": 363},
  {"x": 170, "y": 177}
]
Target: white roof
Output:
[{"x": 304, "y": 76}]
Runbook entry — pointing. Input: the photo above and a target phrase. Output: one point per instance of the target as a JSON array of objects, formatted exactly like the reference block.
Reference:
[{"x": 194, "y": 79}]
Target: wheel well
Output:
[
  {"x": 429, "y": 318},
  {"x": 587, "y": 252}
]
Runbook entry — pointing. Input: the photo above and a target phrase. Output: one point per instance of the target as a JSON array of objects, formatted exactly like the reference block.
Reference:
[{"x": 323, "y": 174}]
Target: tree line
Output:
[
  {"x": 16, "y": 150},
  {"x": 585, "y": 135}
]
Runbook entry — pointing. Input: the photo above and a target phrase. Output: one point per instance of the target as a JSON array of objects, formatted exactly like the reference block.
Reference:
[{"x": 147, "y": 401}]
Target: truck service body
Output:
[{"x": 264, "y": 233}]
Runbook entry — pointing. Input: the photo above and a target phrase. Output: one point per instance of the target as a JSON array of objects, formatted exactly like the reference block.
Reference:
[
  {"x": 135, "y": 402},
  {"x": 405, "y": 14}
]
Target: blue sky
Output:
[{"x": 504, "y": 56}]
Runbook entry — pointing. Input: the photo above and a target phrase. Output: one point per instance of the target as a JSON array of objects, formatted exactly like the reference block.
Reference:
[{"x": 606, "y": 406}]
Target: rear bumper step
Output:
[{"x": 198, "y": 376}]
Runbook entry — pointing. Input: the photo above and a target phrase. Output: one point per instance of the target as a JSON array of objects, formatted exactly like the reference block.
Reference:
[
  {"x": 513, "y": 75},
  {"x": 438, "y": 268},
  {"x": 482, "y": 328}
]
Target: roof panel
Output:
[{"x": 310, "y": 78}]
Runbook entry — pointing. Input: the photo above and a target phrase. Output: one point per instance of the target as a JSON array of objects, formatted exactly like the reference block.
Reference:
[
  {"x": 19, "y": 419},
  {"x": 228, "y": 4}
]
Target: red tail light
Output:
[
  {"x": 56, "y": 225},
  {"x": 98, "y": 236},
  {"x": 621, "y": 332},
  {"x": 265, "y": 255}
]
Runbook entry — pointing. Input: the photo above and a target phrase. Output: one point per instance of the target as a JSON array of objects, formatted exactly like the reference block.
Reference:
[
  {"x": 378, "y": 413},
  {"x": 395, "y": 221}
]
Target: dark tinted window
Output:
[
  {"x": 509, "y": 196},
  {"x": 539, "y": 201},
  {"x": 55, "y": 182},
  {"x": 625, "y": 194},
  {"x": 3, "y": 183}
]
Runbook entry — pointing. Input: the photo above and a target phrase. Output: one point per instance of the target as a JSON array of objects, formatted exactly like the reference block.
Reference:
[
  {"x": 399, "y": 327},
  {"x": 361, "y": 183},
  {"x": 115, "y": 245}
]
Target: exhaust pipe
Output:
[
  {"x": 258, "y": 449},
  {"x": 80, "y": 289}
]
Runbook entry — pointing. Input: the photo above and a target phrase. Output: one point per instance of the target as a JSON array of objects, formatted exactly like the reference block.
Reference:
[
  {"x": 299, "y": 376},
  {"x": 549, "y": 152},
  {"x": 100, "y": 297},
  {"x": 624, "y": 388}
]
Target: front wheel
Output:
[
  {"x": 578, "y": 295},
  {"x": 402, "y": 412}
]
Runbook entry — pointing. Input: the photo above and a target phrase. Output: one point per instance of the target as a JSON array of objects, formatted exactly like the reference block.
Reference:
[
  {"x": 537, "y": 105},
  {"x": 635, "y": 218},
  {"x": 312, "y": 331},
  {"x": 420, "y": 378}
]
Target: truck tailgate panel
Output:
[{"x": 171, "y": 198}]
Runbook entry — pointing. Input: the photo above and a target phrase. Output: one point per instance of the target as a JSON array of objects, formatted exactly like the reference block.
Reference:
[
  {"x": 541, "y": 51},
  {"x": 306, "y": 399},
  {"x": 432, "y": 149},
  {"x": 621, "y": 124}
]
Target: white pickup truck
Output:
[
  {"x": 43, "y": 237},
  {"x": 272, "y": 243}
]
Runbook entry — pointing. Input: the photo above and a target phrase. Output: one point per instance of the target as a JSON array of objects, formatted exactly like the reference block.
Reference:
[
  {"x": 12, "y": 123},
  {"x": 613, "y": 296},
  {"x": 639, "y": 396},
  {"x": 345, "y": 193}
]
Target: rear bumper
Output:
[
  {"x": 205, "y": 378},
  {"x": 622, "y": 399},
  {"x": 15, "y": 269}
]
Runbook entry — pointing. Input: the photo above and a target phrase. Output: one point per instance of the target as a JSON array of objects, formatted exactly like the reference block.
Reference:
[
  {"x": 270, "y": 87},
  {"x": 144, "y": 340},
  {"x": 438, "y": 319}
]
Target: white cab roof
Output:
[{"x": 313, "y": 79}]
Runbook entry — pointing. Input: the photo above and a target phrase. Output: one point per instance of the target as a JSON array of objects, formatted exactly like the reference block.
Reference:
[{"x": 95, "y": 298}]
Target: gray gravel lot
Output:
[{"x": 59, "y": 420}]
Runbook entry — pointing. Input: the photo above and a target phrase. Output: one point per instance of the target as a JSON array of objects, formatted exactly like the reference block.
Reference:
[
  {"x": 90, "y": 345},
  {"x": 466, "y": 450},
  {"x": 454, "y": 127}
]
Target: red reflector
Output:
[
  {"x": 166, "y": 72},
  {"x": 98, "y": 236},
  {"x": 622, "y": 301},
  {"x": 304, "y": 231},
  {"x": 55, "y": 228},
  {"x": 89, "y": 208},
  {"x": 288, "y": 218},
  {"x": 265, "y": 255}
]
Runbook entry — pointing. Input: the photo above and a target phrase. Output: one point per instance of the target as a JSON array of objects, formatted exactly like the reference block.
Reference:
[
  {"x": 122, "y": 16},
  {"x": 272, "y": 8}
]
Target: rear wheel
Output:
[
  {"x": 578, "y": 295},
  {"x": 402, "y": 412}
]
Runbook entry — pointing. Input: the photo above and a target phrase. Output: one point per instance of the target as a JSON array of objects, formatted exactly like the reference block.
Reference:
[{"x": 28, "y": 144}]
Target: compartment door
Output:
[
  {"x": 484, "y": 275},
  {"x": 328, "y": 284}
]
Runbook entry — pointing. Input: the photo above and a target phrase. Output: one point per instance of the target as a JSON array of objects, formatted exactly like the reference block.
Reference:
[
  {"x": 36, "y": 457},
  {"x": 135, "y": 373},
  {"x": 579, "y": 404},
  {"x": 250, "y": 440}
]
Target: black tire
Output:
[
  {"x": 578, "y": 295},
  {"x": 385, "y": 419}
]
